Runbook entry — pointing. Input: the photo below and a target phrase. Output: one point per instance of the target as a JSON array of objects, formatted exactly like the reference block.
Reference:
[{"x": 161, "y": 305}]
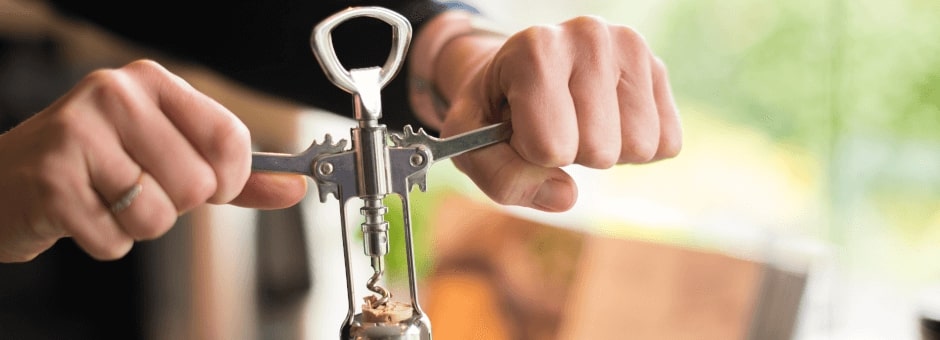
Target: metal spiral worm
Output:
[{"x": 372, "y": 285}]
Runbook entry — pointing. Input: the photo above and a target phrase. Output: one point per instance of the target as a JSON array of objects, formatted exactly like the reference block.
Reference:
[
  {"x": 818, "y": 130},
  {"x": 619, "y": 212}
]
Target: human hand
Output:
[
  {"x": 61, "y": 170},
  {"x": 583, "y": 92}
]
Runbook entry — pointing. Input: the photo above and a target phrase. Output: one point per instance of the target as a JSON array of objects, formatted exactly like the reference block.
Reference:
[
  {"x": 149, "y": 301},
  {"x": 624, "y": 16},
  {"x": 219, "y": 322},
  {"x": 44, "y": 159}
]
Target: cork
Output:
[{"x": 391, "y": 312}]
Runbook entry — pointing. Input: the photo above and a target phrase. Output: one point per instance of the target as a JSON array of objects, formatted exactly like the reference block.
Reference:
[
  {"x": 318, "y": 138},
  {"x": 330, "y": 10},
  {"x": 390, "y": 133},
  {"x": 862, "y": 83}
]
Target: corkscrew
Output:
[{"x": 376, "y": 164}]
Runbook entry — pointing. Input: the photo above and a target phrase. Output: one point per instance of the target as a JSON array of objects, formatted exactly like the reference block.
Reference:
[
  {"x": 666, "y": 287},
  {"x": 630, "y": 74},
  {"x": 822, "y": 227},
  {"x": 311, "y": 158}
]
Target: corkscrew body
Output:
[{"x": 376, "y": 164}]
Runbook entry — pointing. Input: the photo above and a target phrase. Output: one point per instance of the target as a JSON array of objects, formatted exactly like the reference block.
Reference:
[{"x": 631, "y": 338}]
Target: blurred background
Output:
[
  {"x": 811, "y": 148},
  {"x": 812, "y": 125}
]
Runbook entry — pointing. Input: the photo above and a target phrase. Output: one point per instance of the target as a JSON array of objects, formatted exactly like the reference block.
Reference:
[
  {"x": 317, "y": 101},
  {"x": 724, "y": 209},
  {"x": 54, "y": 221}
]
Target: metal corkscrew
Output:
[{"x": 376, "y": 165}]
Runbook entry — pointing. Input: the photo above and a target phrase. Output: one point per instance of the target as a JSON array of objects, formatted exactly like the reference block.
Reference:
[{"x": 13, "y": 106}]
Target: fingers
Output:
[
  {"x": 149, "y": 214},
  {"x": 92, "y": 226},
  {"x": 583, "y": 92},
  {"x": 137, "y": 127},
  {"x": 507, "y": 178},
  {"x": 68, "y": 202},
  {"x": 150, "y": 138},
  {"x": 640, "y": 129},
  {"x": 216, "y": 133},
  {"x": 535, "y": 86},
  {"x": 670, "y": 138},
  {"x": 113, "y": 171},
  {"x": 651, "y": 128},
  {"x": 502, "y": 173},
  {"x": 191, "y": 119},
  {"x": 592, "y": 86},
  {"x": 46, "y": 195}
]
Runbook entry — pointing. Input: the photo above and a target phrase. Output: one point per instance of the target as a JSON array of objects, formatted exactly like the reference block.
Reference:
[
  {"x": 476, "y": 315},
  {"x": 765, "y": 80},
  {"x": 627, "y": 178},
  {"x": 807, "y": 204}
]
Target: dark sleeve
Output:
[{"x": 265, "y": 44}]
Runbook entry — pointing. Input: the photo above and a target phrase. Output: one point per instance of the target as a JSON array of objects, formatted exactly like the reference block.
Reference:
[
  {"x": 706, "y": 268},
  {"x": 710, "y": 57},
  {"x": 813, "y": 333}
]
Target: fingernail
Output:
[{"x": 553, "y": 195}]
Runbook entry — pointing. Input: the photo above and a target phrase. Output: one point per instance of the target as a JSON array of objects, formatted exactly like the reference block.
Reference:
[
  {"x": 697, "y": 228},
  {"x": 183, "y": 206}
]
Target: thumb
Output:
[
  {"x": 501, "y": 173},
  {"x": 271, "y": 191}
]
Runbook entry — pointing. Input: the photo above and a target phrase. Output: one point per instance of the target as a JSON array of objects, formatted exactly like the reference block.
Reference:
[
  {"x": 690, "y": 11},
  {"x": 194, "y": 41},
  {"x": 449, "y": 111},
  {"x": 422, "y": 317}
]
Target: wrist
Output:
[{"x": 445, "y": 53}]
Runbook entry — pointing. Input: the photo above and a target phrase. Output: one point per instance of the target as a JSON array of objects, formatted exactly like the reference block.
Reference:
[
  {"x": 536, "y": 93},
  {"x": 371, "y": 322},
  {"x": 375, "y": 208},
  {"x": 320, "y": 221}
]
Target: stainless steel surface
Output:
[
  {"x": 299, "y": 163},
  {"x": 371, "y": 169},
  {"x": 322, "y": 43},
  {"x": 442, "y": 149}
]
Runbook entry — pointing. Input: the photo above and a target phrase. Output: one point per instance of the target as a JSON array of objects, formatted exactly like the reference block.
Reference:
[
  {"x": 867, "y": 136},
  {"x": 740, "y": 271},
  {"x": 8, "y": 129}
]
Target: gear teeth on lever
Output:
[
  {"x": 330, "y": 147},
  {"x": 409, "y": 137},
  {"x": 327, "y": 147},
  {"x": 296, "y": 163}
]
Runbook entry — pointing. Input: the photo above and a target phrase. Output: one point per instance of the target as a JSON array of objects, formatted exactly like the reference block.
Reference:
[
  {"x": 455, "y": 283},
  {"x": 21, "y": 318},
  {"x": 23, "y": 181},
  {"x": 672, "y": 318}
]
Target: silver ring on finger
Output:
[{"x": 128, "y": 196}]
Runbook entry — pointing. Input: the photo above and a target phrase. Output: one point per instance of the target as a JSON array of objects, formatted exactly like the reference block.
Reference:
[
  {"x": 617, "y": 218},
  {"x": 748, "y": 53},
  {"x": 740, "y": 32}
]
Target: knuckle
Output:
[
  {"x": 592, "y": 40},
  {"x": 670, "y": 147},
  {"x": 114, "y": 91},
  {"x": 531, "y": 43},
  {"x": 158, "y": 222},
  {"x": 110, "y": 250},
  {"x": 231, "y": 139},
  {"x": 629, "y": 38},
  {"x": 108, "y": 81},
  {"x": 508, "y": 190},
  {"x": 499, "y": 193},
  {"x": 659, "y": 66},
  {"x": 119, "y": 76},
  {"x": 587, "y": 20},
  {"x": 52, "y": 186},
  {"x": 197, "y": 191},
  {"x": 538, "y": 34},
  {"x": 638, "y": 150},
  {"x": 599, "y": 158},
  {"x": 68, "y": 133},
  {"x": 144, "y": 65},
  {"x": 63, "y": 129},
  {"x": 229, "y": 154},
  {"x": 587, "y": 26},
  {"x": 155, "y": 74},
  {"x": 552, "y": 153},
  {"x": 505, "y": 196}
]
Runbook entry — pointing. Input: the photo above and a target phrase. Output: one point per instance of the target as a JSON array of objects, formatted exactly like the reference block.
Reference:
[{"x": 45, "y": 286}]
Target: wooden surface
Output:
[
  {"x": 498, "y": 276},
  {"x": 645, "y": 290}
]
